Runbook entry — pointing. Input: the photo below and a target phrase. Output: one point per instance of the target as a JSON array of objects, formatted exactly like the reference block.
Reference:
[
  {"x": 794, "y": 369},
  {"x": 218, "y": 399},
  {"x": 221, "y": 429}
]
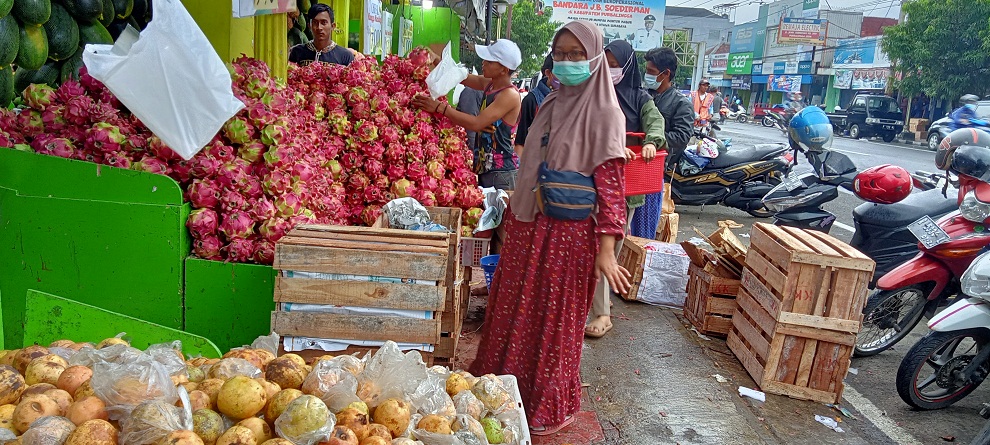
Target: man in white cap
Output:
[{"x": 495, "y": 161}]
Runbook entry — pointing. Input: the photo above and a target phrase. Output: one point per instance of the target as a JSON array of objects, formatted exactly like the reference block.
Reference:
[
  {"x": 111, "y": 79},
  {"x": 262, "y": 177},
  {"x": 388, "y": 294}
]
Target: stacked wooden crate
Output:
[
  {"x": 919, "y": 128},
  {"x": 403, "y": 270},
  {"x": 711, "y": 299},
  {"x": 800, "y": 307}
]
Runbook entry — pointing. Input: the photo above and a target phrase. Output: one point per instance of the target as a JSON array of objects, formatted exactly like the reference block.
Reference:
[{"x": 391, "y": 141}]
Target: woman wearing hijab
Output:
[
  {"x": 549, "y": 267},
  {"x": 642, "y": 116}
]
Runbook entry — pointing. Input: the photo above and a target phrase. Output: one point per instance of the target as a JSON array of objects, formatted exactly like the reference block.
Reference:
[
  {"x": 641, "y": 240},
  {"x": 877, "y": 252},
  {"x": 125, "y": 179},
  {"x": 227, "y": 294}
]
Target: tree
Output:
[
  {"x": 687, "y": 55},
  {"x": 941, "y": 49},
  {"x": 532, "y": 30}
]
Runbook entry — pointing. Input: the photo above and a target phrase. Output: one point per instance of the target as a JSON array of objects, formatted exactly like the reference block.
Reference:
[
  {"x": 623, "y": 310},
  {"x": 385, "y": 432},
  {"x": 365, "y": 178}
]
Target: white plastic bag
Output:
[
  {"x": 447, "y": 75},
  {"x": 170, "y": 77}
]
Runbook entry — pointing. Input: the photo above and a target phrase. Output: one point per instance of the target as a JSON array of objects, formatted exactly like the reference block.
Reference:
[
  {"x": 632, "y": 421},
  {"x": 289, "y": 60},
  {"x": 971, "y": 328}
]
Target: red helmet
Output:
[{"x": 883, "y": 184}]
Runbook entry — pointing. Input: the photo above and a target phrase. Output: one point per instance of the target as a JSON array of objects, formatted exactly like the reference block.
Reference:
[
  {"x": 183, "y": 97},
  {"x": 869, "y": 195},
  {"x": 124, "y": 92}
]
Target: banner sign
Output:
[
  {"x": 405, "y": 36},
  {"x": 740, "y": 63},
  {"x": 717, "y": 63},
  {"x": 862, "y": 79},
  {"x": 743, "y": 38},
  {"x": 640, "y": 22},
  {"x": 251, "y": 8},
  {"x": 742, "y": 82},
  {"x": 372, "y": 27},
  {"x": 800, "y": 30},
  {"x": 784, "y": 83},
  {"x": 860, "y": 53},
  {"x": 387, "y": 18}
]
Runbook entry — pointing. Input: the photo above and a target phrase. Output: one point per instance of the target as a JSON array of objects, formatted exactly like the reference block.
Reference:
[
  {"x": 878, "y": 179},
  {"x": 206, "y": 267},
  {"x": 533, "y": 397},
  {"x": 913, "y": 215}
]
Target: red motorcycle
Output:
[{"x": 929, "y": 280}]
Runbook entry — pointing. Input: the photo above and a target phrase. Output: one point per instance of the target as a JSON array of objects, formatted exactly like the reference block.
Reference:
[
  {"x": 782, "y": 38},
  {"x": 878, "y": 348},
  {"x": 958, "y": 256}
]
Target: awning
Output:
[
  {"x": 805, "y": 78},
  {"x": 720, "y": 82}
]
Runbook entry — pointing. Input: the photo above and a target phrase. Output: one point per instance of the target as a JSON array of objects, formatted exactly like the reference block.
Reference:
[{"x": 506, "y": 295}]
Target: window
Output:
[
  {"x": 983, "y": 110},
  {"x": 884, "y": 105},
  {"x": 859, "y": 103}
]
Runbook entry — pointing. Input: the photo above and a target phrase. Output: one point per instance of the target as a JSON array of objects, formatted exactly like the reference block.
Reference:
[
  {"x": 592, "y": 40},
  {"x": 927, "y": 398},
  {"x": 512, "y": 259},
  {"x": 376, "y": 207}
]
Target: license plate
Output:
[
  {"x": 888, "y": 127},
  {"x": 929, "y": 233},
  {"x": 792, "y": 182}
]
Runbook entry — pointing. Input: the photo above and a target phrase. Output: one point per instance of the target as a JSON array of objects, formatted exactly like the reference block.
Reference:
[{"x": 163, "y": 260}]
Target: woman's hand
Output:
[
  {"x": 649, "y": 152},
  {"x": 427, "y": 103},
  {"x": 607, "y": 267},
  {"x": 630, "y": 155}
]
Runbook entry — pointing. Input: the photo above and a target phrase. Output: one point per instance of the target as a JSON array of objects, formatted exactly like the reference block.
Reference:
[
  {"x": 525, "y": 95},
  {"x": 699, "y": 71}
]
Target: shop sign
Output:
[
  {"x": 718, "y": 63},
  {"x": 785, "y": 83},
  {"x": 743, "y": 38},
  {"x": 801, "y": 30},
  {"x": 742, "y": 82},
  {"x": 860, "y": 53},
  {"x": 741, "y": 63},
  {"x": 862, "y": 79},
  {"x": 251, "y": 8},
  {"x": 405, "y": 36},
  {"x": 387, "y": 18},
  {"x": 618, "y": 19},
  {"x": 757, "y": 68},
  {"x": 372, "y": 27}
]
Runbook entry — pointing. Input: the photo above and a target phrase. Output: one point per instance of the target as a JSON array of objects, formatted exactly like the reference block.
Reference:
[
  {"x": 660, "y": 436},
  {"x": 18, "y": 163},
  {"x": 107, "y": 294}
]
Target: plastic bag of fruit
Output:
[
  {"x": 151, "y": 421},
  {"x": 334, "y": 385},
  {"x": 50, "y": 430},
  {"x": 447, "y": 75},
  {"x": 306, "y": 421},
  {"x": 431, "y": 396},
  {"x": 388, "y": 373},
  {"x": 125, "y": 386}
]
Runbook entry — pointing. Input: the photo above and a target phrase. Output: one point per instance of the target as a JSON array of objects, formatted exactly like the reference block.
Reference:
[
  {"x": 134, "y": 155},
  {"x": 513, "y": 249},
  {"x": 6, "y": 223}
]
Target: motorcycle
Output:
[
  {"x": 954, "y": 358},
  {"x": 797, "y": 201},
  {"x": 772, "y": 119},
  {"x": 739, "y": 115},
  {"x": 736, "y": 178},
  {"x": 929, "y": 280}
]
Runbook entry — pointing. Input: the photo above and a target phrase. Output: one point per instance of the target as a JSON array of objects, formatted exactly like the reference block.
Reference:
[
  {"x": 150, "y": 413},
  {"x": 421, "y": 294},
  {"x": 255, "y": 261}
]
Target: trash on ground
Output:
[
  {"x": 854, "y": 371},
  {"x": 841, "y": 409},
  {"x": 752, "y": 393},
  {"x": 719, "y": 378},
  {"x": 829, "y": 422}
]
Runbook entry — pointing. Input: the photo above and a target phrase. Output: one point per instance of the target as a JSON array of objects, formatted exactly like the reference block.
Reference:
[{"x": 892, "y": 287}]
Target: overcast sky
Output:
[{"x": 750, "y": 12}]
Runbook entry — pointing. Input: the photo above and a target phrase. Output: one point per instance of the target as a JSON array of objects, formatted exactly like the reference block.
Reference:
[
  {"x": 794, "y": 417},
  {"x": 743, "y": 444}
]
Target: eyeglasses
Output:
[{"x": 572, "y": 56}]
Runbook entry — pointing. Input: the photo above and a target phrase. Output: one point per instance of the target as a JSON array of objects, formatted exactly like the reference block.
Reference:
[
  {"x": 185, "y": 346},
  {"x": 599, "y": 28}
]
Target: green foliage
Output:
[
  {"x": 532, "y": 32},
  {"x": 942, "y": 47}
]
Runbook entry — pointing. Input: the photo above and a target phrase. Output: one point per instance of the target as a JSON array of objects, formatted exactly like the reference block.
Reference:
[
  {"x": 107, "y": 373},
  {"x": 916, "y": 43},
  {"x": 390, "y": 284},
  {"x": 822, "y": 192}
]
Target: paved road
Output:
[{"x": 871, "y": 392}]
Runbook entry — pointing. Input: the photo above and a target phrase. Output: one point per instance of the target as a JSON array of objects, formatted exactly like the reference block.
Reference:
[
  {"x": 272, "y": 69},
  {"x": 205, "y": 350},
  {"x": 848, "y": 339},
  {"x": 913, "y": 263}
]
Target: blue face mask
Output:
[
  {"x": 971, "y": 106},
  {"x": 573, "y": 73},
  {"x": 651, "y": 81}
]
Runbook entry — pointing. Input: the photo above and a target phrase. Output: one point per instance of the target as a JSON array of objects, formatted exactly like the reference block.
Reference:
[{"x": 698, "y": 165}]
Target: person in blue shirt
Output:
[{"x": 965, "y": 116}]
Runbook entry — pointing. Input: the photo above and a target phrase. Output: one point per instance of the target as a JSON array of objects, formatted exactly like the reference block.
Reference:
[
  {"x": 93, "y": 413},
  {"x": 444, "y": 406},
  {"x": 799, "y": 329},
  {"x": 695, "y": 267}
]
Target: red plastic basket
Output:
[{"x": 644, "y": 178}]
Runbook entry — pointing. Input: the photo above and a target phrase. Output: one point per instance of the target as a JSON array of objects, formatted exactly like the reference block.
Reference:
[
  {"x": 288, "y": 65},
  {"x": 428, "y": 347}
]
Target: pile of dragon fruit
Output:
[{"x": 331, "y": 145}]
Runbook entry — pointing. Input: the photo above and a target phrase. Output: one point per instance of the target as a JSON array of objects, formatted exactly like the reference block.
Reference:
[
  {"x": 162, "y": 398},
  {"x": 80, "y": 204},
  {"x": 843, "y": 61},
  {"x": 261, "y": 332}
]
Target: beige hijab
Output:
[{"x": 587, "y": 129}]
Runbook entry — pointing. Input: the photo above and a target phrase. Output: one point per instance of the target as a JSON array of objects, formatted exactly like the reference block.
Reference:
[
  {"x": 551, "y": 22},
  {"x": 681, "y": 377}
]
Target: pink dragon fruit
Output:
[
  {"x": 202, "y": 222},
  {"x": 463, "y": 176},
  {"x": 389, "y": 134},
  {"x": 365, "y": 131},
  {"x": 30, "y": 122},
  {"x": 334, "y": 166},
  {"x": 468, "y": 197},
  {"x": 416, "y": 171},
  {"x": 69, "y": 89},
  {"x": 117, "y": 159},
  {"x": 264, "y": 252},
  {"x": 274, "y": 229},
  {"x": 232, "y": 201},
  {"x": 358, "y": 181},
  {"x": 236, "y": 224},
  {"x": 374, "y": 194},
  {"x": 289, "y": 205},
  {"x": 429, "y": 183},
  {"x": 253, "y": 189},
  {"x": 151, "y": 165},
  {"x": 203, "y": 193},
  {"x": 38, "y": 96},
  {"x": 240, "y": 250},
  {"x": 273, "y": 134},
  {"x": 425, "y": 197},
  {"x": 50, "y": 145},
  {"x": 432, "y": 151},
  {"x": 181, "y": 171},
  {"x": 435, "y": 169},
  {"x": 203, "y": 166},
  {"x": 158, "y": 149},
  {"x": 445, "y": 193},
  {"x": 339, "y": 122},
  {"x": 302, "y": 172},
  {"x": 208, "y": 247},
  {"x": 276, "y": 183},
  {"x": 262, "y": 209},
  {"x": 373, "y": 167},
  {"x": 77, "y": 110},
  {"x": 370, "y": 214},
  {"x": 219, "y": 151},
  {"x": 350, "y": 161},
  {"x": 239, "y": 131},
  {"x": 403, "y": 188},
  {"x": 279, "y": 157},
  {"x": 395, "y": 171},
  {"x": 234, "y": 174},
  {"x": 252, "y": 151},
  {"x": 395, "y": 153}
]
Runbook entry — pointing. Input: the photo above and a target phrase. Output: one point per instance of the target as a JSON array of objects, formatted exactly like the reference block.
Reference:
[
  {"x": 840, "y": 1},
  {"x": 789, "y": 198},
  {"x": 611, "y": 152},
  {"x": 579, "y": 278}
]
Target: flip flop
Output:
[
  {"x": 589, "y": 330},
  {"x": 541, "y": 430}
]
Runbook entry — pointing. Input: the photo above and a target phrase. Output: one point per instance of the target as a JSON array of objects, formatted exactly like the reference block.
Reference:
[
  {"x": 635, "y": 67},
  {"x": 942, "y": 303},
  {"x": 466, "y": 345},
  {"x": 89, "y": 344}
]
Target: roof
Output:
[
  {"x": 722, "y": 48},
  {"x": 873, "y": 26},
  {"x": 676, "y": 11}
]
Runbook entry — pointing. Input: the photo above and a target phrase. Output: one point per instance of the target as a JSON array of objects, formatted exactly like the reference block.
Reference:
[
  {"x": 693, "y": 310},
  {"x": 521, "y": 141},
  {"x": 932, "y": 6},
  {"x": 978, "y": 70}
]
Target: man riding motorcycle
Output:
[{"x": 965, "y": 116}]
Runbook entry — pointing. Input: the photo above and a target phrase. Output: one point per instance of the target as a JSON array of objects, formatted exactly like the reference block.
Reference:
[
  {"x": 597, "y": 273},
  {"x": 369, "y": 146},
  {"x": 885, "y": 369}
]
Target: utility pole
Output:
[
  {"x": 907, "y": 110},
  {"x": 488, "y": 22},
  {"x": 508, "y": 26}
]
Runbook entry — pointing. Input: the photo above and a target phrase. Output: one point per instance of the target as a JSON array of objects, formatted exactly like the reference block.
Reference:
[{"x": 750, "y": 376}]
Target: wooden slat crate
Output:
[
  {"x": 711, "y": 301},
  {"x": 376, "y": 252},
  {"x": 632, "y": 256},
  {"x": 452, "y": 322},
  {"x": 800, "y": 306}
]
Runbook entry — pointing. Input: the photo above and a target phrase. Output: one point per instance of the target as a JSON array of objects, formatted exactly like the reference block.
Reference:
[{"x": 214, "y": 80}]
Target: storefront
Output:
[{"x": 859, "y": 65}]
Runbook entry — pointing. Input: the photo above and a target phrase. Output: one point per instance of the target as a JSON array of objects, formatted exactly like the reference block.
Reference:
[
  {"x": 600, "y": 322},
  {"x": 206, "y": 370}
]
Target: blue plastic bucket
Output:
[{"x": 488, "y": 264}]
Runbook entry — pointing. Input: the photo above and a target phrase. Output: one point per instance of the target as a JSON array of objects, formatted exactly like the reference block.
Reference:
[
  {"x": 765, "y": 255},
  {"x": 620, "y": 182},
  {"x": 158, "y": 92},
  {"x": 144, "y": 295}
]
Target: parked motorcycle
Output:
[
  {"x": 737, "y": 178},
  {"x": 797, "y": 202},
  {"x": 739, "y": 115}
]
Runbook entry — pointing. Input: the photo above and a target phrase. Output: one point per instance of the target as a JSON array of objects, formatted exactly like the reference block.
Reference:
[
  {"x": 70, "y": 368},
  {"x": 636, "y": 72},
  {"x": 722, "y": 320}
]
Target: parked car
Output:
[
  {"x": 869, "y": 115},
  {"x": 940, "y": 128}
]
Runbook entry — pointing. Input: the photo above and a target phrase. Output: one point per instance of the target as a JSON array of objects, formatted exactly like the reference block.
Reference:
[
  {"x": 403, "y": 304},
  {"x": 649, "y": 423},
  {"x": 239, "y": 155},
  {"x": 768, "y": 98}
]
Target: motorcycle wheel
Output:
[
  {"x": 888, "y": 317},
  {"x": 741, "y": 119},
  {"x": 762, "y": 212},
  {"x": 927, "y": 379},
  {"x": 767, "y": 121}
]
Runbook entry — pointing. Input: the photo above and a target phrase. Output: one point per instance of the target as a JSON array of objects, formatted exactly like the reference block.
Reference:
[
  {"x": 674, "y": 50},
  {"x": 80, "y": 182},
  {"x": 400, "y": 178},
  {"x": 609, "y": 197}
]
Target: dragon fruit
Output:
[
  {"x": 277, "y": 183},
  {"x": 403, "y": 188},
  {"x": 288, "y": 205},
  {"x": 334, "y": 167},
  {"x": 274, "y": 229},
  {"x": 202, "y": 222},
  {"x": 240, "y": 250},
  {"x": 151, "y": 165},
  {"x": 38, "y": 96},
  {"x": 239, "y": 131},
  {"x": 463, "y": 176},
  {"x": 77, "y": 109},
  {"x": 435, "y": 169},
  {"x": 236, "y": 224},
  {"x": 472, "y": 216},
  {"x": 468, "y": 197},
  {"x": 370, "y": 214},
  {"x": 181, "y": 171},
  {"x": 445, "y": 193},
  {"x": 203, "y": 167},
  {"x": 264, "y": 252},
  {"x": 253, "y": 188},
  {"x": 219, "y": 151},
  {"x": 53, "y": 146},
  {"x": 208, "y": 247},
  {"x": 117, "y": 159},
  {"x": 30, "y": 122},
  {"x": 262, "y": 209},
  {"x": 105, "y": 138},
  {"x": 273, "y": 134},
  {"x": 416, "y": 171},
  {"x": 231, "y": 201},
  {"x": 429, "y": 183},
  {"x": 252, "y": 151},
  {"x": 67, "y": 90},
  {"x": 203, "y": 193},
  {"x": 396, "y": 171}
]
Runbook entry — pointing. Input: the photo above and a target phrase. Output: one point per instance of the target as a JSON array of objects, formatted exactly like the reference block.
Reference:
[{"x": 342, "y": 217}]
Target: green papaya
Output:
[
  {"x": 47, "y": 74},
  {"x": 71, "y": 66},
  {"x": 63, "y": 34},
  {"x": 10, "y": 37},
  {"x": 5, "y": 7},
  {"x": 123, "y": 8},
  {"x": 6, "y": 85},
  {"x": 34, "y": 12},
  {"x": 85, "y": 11},
  {"x": 109, "y": 13},
  {"x": 94, "y": 33},
  {"x": 32, "y": 49}
]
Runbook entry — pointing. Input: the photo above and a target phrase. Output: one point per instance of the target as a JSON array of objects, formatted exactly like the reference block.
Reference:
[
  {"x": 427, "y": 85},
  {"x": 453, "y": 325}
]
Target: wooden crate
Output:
[
  {"x": 452, "y": 322},
  {"x": 632, "y": 256},
  {"x": 800, "y": 306},
  {"x": 711, "y": 301},
  {"x": 667, "y": 228},
  {"x": 368, "y": 251}
]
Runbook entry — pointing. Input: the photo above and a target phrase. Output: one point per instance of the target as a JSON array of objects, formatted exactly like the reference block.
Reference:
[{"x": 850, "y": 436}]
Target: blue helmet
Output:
[{"x": 810, "y": 130}]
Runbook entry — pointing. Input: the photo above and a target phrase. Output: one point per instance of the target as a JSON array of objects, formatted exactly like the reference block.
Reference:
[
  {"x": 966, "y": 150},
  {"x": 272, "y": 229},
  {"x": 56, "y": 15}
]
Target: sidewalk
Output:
[{"x": 651, "y": 380}]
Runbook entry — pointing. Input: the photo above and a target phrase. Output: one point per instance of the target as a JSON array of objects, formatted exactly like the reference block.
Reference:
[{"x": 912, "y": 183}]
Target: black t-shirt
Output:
[{"x": 306, "y": 54}]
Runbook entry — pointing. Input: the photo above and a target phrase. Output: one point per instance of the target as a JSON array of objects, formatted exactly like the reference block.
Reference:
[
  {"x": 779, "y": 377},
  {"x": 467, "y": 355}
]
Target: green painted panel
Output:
[
  {"x": 49, "y": 318},
  {"x": 434, "y": 25},
  {"x": 229, "y": 303},
  {"x": 230, "y": 37},
  {"x": 103, "y": 236}
]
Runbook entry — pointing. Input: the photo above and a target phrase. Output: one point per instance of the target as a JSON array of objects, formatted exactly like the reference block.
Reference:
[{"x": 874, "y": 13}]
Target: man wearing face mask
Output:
[
  {"x": 531, "y": 103},
  {"x": 965, "y": 116},
  {"x": 661, "y": 67}
]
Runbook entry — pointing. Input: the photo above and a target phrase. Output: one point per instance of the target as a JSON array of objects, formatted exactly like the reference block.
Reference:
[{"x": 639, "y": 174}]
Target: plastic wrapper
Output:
[
  {"x": 267, "y": 342},
  {"x": 65, "y": 353},
  {"x": 405, "y": 441},
  {"x": 6, "y": 434},
  {"x": 491, "y": 391},
  {"x": 469, "y": 430},
  {"x": 403, "y": 213},
  {"x": 389, "y": 373},
  {"x": 447, "y": 75},
  {"x": 430, "y": 397},
  {"x": 170, "y": 77},
  {"x": 496, "y": 201},
  {"x": 232, "y": 367},
  {"x": 332, "y": 384},
  {"x": 306, "y": 421},
  {"x": 466, "y": 403},
  {"x": 456, "y": 438},
  {"x": 125, "y": 386},
  {"x": 119, "y": 354},
  {"x": 665, "y": 275},
  {"x": 348, "y": 363},
  {"x": 50, "y": 430},
  {"x": 168, "y": 354},
  {"x": 150, "y": 422}
]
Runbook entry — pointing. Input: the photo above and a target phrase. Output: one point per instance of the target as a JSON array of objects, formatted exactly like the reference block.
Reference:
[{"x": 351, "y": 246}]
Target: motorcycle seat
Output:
[
  {"x": 916, "y": 205},
  {"x": 737, "y": 156}
]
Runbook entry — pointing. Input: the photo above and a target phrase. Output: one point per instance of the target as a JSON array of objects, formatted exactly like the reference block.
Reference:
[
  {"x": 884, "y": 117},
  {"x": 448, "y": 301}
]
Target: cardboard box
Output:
[{"x": 917, "y": 124}]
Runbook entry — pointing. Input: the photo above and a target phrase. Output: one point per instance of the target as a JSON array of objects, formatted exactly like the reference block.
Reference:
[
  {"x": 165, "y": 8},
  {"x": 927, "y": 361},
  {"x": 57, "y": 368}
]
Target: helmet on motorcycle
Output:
[
  {"x": 810, "y": 130},
  {"x": 883, "y": 184},
  {"x": 969, "y": 99},
  {"x": 963, "y": 137}
]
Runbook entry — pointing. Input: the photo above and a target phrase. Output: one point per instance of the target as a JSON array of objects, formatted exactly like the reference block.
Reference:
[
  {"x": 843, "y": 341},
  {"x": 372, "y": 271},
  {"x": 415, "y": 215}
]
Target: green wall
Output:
[
  {"x": 436, "y": 25},
  {"x": 230, "y": 37}
]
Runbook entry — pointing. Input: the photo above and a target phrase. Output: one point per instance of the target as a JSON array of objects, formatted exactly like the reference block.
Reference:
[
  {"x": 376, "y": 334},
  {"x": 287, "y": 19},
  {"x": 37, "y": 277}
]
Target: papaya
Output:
[
  {"x": 71, "y": 66},
  {"x": 63, "y": 34},
  {"x": 94, "y": 33},
  {"x": 109, "y": 13},
  {"x": 123, "y": 8},
  {"x": 85, "y": 11},
  {"x": 6, "y": 85},
  {"x": 47, "y": 74},
  {"x": 10, "y": 37},
  {"x": 32, "y": 49},
  {"x": 5, "y": 7},
  {"x": 34, "y": 12}
]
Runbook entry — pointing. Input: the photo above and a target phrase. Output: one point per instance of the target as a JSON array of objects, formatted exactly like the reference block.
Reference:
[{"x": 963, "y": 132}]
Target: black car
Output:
[
  {"x": 940, "y": 128},
  {"x": 869, "y": 115}
]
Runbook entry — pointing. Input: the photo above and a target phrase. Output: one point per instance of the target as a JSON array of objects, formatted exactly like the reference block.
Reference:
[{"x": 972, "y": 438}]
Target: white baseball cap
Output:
[{"x": 502, "y": 51}]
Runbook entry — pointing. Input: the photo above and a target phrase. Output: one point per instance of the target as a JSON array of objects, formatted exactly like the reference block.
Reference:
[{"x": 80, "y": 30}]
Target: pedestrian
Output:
[
  {"x": 641, "y": 116},
  {"x": 717, "y": 103},
  {"x": 701, "y": 100},
  {"x": 548, "y": 270},
  {"x": 531, "y": 103},
  {"x": 678, "y": 116},
  {"x": 322, "y": 48},
  {"x": 469, "y": 102},
  {"x": 495, "y": 161}
]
